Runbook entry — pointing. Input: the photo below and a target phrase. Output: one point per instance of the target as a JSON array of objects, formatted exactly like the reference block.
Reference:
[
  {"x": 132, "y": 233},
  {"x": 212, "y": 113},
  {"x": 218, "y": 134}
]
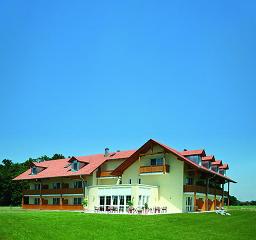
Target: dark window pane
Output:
[
  {"x": 159, "y": 161},
  {"x": 102, "y": 200},
  {"x": 115, "y": 198},
  {"x": 121, "y": 200},
  {"x": 128, "y": 198},
  {"x": 153, "y": 162},
  {"x": 108, "y": 200}
]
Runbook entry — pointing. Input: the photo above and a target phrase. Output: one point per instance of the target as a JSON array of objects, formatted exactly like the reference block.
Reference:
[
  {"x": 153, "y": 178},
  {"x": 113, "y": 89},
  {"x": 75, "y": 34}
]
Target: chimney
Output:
[{"x": 106, "y": 152}]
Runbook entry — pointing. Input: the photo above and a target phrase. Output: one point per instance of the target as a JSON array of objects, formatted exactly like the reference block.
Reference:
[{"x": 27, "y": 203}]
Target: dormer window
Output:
[
  {"x": 215, "y": 168},
  {"x": 75, "y": 166},
  {"x": 34, "y": 170},
  {"x": 196, "y": 159},
  {"x": 206, "y": 164}
]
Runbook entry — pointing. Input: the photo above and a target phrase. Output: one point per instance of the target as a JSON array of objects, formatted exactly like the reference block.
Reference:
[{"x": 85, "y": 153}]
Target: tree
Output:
[
  {"x": 57, "y": 156},
  {"x": 10, "y": 191},
  {"x": 233, "y": 201}
]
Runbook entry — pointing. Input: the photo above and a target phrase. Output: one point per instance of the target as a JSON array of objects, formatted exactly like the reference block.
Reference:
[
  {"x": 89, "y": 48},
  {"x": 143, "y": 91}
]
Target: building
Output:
[{"x": 154, "y": 174}]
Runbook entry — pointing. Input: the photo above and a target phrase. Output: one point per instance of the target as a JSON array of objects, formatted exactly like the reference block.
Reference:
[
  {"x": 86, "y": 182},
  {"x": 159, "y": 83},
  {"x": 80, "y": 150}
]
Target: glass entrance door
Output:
[
  {"x": 189, "y": 204},
  {"x": 115, "y": 202}
]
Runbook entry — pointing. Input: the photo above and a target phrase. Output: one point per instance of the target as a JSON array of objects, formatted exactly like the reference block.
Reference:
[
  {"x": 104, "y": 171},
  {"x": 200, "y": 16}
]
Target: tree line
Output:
[
  {"x": 235, "y": 202},
  {"x": 11, "y": 191}
]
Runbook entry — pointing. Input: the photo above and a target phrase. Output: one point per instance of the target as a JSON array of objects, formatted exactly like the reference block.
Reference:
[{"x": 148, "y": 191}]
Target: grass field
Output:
[{"x": 26, "y": 224}]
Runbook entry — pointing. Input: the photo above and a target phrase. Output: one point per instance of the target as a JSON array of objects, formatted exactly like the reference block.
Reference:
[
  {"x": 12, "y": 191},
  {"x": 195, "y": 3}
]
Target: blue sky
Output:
[{"x": 77, "y": 76}]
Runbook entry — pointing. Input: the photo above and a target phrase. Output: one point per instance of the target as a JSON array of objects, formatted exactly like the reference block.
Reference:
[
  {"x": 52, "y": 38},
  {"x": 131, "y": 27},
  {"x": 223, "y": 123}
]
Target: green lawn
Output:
[{"x": 27, "y": 224}]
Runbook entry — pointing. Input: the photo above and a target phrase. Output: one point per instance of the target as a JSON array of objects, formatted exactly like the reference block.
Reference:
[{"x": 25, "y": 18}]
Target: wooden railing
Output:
[
  {"x": 202, "y": 189},
  {"x": 53, "y": 191},
  {"x": 52, "y": 207},
  {"x": 151, "y": 169},
  {"x": 105, "y": 173}
]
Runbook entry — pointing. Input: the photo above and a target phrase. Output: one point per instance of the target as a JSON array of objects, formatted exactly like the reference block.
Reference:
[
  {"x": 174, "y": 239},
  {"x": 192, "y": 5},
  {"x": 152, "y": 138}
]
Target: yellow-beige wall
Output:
[{"x": 170, "y": 184}]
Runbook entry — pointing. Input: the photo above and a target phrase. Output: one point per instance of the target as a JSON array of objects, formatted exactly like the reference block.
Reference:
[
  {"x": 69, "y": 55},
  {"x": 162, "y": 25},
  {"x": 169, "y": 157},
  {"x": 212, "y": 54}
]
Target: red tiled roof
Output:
[
  {"x": 217, "y": 162},
  {"x": 193, "y": 152},
  {"x": 120, "y": 169},
  {"x": 208, "y": 158},
  {"x": 62, "y": 168},
  {"x": 224, "y": 166}
]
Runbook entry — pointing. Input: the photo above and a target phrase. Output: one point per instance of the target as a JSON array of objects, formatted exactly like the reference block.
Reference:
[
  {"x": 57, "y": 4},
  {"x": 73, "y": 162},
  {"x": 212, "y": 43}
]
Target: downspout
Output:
[{"x": 83, "y": 181}]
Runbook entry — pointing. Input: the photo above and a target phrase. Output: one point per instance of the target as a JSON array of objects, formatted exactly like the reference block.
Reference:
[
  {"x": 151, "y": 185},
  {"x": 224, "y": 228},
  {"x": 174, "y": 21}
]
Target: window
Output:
[
  {"x": 128, "y": 199},
  {"x": 78, "y": 184},
  {"x": 75, "y": 166},
  {"x": 157, "y": 162},
  {"x": 26, "y": 200},
  {"x": 206, "y": 164},
  {"x": 189, "y": 204},
  {"x": 77, "y": 201},
  {"x": 56, "y": 185},
  {"x": 139, "y": 181},
  {"x": 37, "y": 201},
  {"x": 36, "y": 186},
  {"x": 189, "y": 181},
  {"x": 142, "y": 200},
  {"x": 196, "y": 159},
  {"x": 108, "y": 200},
  {"x": 115, "y": 200},
  {"x": 56, "y": 201},
  {"x": 102, "y": 200},
  {"x": 130, "y": 181},
  {"x": 121, "y": 200},
  {"x": 33, "y": 170}
]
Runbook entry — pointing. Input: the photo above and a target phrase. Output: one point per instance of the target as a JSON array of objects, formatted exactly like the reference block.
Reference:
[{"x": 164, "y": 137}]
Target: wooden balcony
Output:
[
  {"x": 52, "y": 207},
  {"x": 202, "y": 189},
  {"x": 154, "y": 169},
  {"x": 105, "y": 174},
  {"x": 53, "y": 191}
]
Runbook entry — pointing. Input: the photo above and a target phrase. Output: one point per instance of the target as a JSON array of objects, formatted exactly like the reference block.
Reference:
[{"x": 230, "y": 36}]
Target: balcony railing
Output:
[
  {"x": 202, "y": 189},
  {"x": 105, "y": 174},
  {"x": 153, "y": 169},
  {"x": 53, "y": 191},
  {"x": 52, "y": 207}
]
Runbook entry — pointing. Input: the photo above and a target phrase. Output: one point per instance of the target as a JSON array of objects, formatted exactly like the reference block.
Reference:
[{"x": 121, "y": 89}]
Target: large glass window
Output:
[
  {"x": 128, "y": 199},
  {"x": 157, "y": 162},
  {"x": 142, "y": 200},
  {"x": 119, "y": 202},
  {"x": 115, "y": 200},
  {"x": 102, "y": 198},
  {"x": 108, "y": 200}
]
